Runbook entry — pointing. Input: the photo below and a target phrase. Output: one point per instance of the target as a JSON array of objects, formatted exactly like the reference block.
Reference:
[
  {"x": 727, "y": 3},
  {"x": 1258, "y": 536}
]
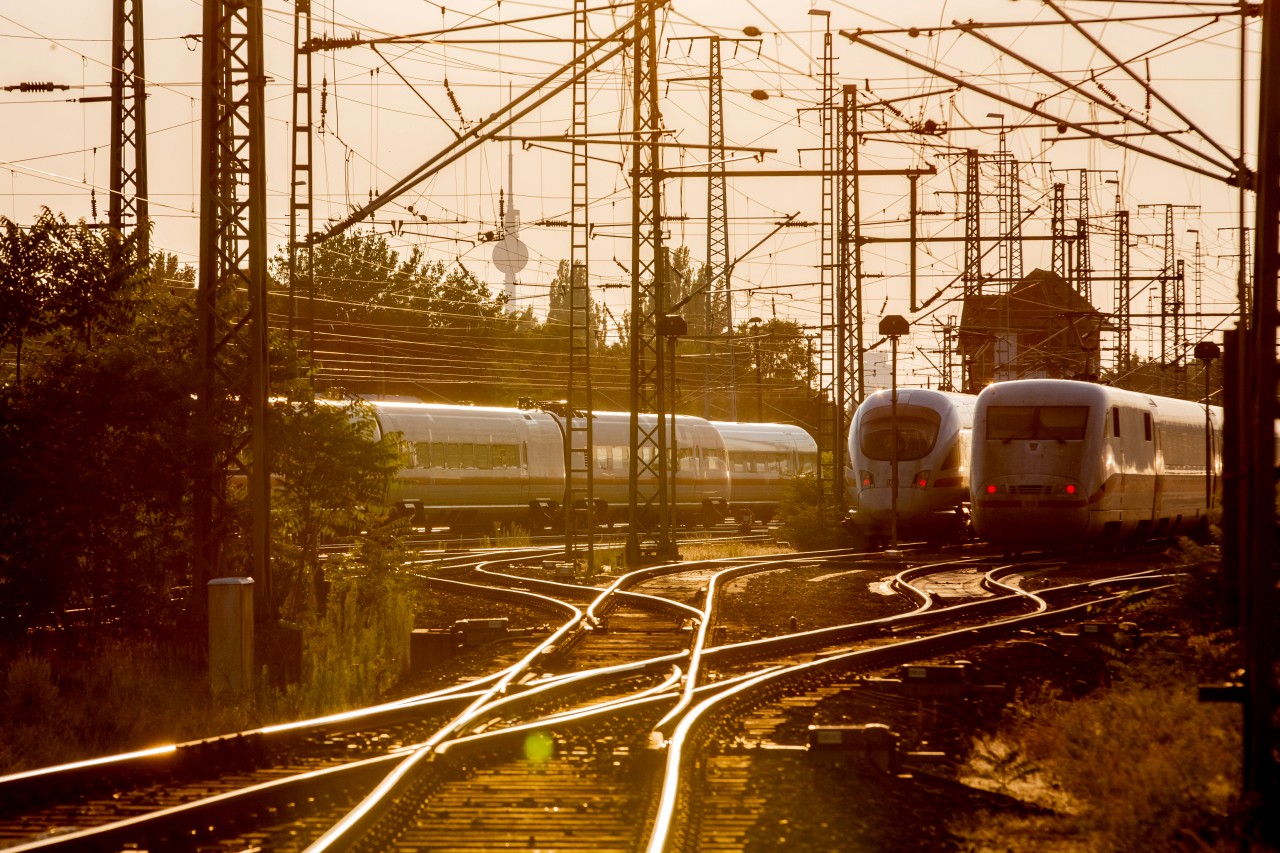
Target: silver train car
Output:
[
  {"x": 476, "y": 467},
  {"x": 1059, "y": 462},
  {"x": 702, "y": 482},
  {"x": 763, "y": 459},
  {"x": 932, "y": 430}
]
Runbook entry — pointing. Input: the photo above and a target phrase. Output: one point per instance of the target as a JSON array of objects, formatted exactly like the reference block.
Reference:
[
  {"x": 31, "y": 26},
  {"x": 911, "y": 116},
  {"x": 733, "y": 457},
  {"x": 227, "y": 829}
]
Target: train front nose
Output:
[{"x": 1035, "y": 510}]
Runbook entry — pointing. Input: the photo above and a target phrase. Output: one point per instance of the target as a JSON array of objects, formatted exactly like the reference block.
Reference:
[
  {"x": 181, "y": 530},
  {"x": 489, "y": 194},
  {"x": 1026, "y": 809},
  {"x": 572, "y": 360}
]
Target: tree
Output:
[
  {"x": 785, "y": 359},
  {"x": 59, "y": 277},
  {"x": 92, "y": 505},
  {"x": 334, "y": 472},
  {"x": 358, "y": 276}
]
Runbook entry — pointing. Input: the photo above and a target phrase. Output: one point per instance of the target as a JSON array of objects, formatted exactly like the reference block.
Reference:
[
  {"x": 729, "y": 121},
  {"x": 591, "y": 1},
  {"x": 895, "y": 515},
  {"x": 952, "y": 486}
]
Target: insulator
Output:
[
  {"x": 324, "y": 97},
  {"x": 1105, "y": 90},
  {"x": 93, "y": 203}
]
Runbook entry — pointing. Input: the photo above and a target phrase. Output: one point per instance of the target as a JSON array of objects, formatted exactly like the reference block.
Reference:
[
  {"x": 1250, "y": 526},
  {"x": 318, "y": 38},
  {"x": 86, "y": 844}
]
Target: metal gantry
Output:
[
  {"x": 829, "y": 415},
  {"x": 231, "y": 300},
  {"x": 719, "y": 312},
  {"x": 648, "y": 500},
  {"x": 127, "y": 206},
  {"x": 1124, "y": 328},
  {"x": 1084, "y": 258},
  {"x": 301, "y": 213},
  {"x": 1058, "y": 230},
  {"x": 848, "y": 291},
  {"x": 1010, "y": 212},
  {"x": 580, "y": 439},
  {"x": 972, "y": 277}
]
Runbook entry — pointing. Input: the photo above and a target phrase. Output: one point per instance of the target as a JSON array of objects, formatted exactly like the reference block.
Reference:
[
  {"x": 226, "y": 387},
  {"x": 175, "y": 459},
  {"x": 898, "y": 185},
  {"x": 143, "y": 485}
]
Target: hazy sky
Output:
[{"x": 53, "y": 150}]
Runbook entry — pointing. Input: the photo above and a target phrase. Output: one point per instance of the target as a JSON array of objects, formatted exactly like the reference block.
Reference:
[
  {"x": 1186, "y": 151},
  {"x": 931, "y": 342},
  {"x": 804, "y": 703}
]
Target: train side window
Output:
[
  {"x": 713, "y": 459},
  {"x": 786, "y": 465},
  {"x": 505, "y": 456},
  {"x": 452, "y": 456},
  {"x": 483, "y": 457},
  {"x": 808, "y": 463},
  {"x": 524, "y": 454},
  {"x": 422, "y": 455},
  {"x": 1146, "y": 424},
  {"x": 604, "y": 459},
  {"x": 1115, "y": 421}
]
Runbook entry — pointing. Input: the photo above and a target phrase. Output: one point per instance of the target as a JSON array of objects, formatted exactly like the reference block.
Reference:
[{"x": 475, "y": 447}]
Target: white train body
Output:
[
  {"x": 933, "y": 430},
  {"x": 1059, "y": 462},
  {"x": 702, "y": 484},
  {"x": 473, "y": 466},
  {"x": 763, "y": 459},
  {"x": 470, "y": 466}
]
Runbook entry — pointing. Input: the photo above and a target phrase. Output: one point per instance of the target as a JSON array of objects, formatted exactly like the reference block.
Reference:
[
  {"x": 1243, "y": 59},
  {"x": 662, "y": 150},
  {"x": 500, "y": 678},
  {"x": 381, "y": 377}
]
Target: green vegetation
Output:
[
  {"x": 1139, "y": 764},
  {"x": 808, "y": 522}
]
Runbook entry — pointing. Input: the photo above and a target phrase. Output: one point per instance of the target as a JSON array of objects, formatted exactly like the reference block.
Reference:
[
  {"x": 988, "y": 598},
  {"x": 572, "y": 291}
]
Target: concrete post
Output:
[{"x": 231, "y": 635}]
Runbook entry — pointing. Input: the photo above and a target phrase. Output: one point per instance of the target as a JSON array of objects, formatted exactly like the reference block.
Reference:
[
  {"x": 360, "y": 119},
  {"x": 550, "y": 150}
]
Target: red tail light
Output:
[
  {"x": 1071, "y": 488},
  {"x": 991, "y": 488}
]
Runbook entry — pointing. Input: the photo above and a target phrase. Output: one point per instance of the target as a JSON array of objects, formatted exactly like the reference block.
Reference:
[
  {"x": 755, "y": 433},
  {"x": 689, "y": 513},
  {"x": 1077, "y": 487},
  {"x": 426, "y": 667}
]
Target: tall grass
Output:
[{"x": 124, "y": 697}]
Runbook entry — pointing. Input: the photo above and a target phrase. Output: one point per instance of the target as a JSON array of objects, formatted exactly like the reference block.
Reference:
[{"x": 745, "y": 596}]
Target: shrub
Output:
[{"x": 808, "y": 522}]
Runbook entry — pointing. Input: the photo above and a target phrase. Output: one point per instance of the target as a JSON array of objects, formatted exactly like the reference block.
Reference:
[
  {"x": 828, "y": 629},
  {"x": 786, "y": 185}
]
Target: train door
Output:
[{"x": 1151, "y": 437}]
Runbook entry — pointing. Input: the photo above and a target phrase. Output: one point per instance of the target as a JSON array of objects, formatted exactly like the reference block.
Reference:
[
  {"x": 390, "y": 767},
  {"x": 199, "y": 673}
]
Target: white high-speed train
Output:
[
  {"x": 470, "y": 467},
  {"x": 932, "y": 431},
  {"x": 1060, "y": 462},
  {"x": 763, "y": 459}
]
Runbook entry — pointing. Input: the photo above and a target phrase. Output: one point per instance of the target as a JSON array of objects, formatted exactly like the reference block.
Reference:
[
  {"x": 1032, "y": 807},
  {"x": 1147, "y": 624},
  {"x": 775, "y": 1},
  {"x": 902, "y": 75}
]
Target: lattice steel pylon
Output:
[
  {"x": 1058, "y": 229},
  {"x": 1010, "y": 191},
  {"x": 719, "y": 311},
  {"x": 1084, "y": 259},
  {"x": 972, "y": 278},
  {"x": 231, "y": 300},
  {"x": 829, "y": 414},
  {"x": 128, "y": 187},
  {"x": 580, "y": 447},
  {"x": 1172, "y": 293},
  {"x": 848, "y": 308},
  {"x": 1124, "y": 328},
  {"x": 648, "y": 468},
  {"x": 301, "y": 212}
]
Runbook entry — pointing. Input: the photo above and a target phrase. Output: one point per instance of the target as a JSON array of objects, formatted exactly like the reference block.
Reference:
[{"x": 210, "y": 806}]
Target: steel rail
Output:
[{"x": 666, "y": 835}]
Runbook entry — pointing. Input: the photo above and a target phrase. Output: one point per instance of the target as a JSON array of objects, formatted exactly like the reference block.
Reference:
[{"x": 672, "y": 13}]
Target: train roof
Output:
[
  {"x": 740, "y": 434},
  {"x": 1050, "y": 391},
  {"x": 927, "y": 397}
]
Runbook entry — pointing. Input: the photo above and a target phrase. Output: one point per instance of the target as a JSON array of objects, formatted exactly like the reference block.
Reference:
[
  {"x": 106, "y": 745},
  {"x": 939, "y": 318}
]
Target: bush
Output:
[{"x": 806, "y": 521}]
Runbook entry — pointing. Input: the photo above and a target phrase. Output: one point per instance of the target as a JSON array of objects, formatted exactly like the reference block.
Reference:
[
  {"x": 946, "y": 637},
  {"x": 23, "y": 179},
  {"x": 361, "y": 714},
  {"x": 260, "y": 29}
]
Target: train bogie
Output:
[
  {"x": 1062, "y": 462},
  {"x": 926, "y": 433}
]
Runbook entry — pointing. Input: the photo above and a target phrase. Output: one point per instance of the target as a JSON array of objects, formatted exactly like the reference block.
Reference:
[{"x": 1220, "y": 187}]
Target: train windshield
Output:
[
  {"x": 917, "y": 431},
  {"x": 1037, "y": 423}
]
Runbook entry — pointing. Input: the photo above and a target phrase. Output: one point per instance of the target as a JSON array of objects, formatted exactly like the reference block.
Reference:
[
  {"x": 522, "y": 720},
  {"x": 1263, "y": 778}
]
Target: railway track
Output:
[{"x": 641, "y": 720}]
